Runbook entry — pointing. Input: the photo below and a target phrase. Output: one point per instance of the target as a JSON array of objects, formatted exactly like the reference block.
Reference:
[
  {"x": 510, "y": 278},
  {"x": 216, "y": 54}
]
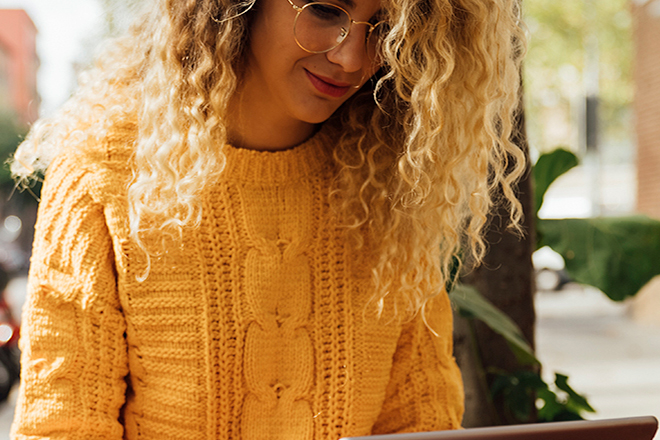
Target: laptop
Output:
[{"x": 634, "y": 428}]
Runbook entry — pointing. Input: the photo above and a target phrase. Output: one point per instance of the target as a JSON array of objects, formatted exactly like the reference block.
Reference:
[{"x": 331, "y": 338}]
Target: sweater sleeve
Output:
[
  {"x": 425, "y": 392},
  {"x": 74, "y": 359}
]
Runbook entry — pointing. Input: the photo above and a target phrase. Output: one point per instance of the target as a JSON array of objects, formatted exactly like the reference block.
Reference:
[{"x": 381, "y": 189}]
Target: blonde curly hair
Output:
[{"x": 421, "y": 149}]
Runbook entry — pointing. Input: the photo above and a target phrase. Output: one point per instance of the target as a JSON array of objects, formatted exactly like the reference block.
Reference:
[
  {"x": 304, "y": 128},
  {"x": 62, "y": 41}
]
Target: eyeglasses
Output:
[{"x": 320, "y": 27}]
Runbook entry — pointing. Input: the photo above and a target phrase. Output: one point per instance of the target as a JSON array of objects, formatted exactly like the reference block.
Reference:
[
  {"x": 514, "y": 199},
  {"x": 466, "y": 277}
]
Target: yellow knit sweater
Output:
[{"x": 253, "y": 329}]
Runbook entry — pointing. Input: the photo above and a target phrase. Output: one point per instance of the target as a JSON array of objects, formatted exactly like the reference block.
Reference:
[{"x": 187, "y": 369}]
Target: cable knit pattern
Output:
[{"x": 252, "y": 328}]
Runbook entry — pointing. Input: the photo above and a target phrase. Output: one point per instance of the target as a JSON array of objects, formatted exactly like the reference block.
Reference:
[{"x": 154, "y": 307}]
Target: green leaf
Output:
[
  {"x": 520, "y": 402},
  {"x": 575, "y": 400},
  {"x": 471, "y": 303},
  {"x": 518, "y": 391},
  {"x": 556, "y": 403},
  {"x": 551, "y": 406},
  {"x": 547, "y": 169},
  {"x": 617, "y": 255},
  {"x": 501, "y": 383}
]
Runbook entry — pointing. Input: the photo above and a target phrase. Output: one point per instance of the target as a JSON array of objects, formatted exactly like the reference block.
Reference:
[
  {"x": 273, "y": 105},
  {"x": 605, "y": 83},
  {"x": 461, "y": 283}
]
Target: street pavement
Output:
[{"x": 612, "y": 360}]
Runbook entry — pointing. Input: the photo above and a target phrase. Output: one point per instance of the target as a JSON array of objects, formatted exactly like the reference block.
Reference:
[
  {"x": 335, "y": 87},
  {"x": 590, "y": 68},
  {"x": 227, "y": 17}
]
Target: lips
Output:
[{"x": 328, "y": 86}]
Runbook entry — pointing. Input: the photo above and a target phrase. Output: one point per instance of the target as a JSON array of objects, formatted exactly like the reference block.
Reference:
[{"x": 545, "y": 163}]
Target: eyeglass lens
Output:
[{"x": 321, "y": 27}]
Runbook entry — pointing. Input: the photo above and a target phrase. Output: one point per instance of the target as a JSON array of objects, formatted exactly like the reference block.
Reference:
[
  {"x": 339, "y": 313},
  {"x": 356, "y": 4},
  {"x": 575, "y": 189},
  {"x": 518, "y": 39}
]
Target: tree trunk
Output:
[{"x": 506, "y": 279}]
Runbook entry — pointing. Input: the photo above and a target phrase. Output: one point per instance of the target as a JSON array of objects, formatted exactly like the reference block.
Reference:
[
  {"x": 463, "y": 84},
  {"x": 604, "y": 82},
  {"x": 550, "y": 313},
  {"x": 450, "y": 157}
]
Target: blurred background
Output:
[{"x": 592, "y": 87}]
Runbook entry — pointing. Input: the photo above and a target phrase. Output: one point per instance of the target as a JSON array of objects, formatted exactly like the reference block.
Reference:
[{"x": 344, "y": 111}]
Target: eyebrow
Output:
[{"x": 348, "y": 3}]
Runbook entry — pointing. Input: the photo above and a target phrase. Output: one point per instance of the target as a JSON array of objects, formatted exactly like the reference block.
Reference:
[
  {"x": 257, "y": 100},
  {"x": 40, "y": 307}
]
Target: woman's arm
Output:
[
  {"x": 425, "y": 392},
  {"x": 73, "y": 344}
]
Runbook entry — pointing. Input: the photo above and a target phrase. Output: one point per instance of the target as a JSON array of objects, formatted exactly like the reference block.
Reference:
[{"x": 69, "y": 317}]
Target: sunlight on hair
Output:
[{"x": 420, "y": 150}]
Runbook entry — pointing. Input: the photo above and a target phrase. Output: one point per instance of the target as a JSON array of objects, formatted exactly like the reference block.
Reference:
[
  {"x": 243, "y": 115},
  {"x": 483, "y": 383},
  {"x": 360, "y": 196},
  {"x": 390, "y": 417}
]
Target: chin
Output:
[
  {"x": 316, "y": 116},
  {"x": 315, "y": 109},
  {"x": 319, "y": 120}
]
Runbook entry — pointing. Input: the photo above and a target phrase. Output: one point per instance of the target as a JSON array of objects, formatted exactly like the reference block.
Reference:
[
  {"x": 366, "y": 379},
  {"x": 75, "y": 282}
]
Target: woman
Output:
[{"x": 249, "y": 216}]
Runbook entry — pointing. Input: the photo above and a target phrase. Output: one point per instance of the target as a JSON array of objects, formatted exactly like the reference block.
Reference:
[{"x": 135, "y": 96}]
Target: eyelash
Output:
[{"x": 373, "y": 20}]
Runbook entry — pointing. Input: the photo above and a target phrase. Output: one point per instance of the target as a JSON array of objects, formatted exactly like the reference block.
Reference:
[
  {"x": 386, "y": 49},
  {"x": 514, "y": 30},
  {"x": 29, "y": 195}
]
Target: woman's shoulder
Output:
[{"x": 102, "y": 164}]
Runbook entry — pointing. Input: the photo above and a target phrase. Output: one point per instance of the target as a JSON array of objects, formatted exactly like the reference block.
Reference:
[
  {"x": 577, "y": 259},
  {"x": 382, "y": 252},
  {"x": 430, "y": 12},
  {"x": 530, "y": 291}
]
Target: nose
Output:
[{"x": 351, "y": 54}]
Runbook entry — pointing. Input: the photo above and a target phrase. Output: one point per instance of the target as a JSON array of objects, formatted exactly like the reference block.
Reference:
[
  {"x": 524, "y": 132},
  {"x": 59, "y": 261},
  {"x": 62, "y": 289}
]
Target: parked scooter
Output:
[{"x": 9, "y": 353}]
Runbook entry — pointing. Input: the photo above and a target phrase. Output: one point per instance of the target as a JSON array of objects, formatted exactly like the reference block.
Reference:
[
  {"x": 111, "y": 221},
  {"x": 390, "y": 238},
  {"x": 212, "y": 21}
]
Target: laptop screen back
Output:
[{"x": 636, "y": 428}]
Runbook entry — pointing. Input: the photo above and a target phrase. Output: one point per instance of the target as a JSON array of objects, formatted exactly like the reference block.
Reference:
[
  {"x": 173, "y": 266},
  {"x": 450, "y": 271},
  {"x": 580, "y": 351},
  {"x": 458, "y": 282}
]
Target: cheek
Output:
[
  {"x": 271, "y": 34},
  {"x": 277, "y": 53}
]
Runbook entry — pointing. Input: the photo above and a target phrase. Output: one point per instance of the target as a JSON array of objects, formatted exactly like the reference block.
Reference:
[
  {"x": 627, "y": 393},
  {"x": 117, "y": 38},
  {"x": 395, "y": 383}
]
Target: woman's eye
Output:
[{"x": 326, "y": 12}]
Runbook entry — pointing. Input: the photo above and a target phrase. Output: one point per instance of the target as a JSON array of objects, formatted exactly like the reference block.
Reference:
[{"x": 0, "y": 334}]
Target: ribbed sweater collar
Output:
[{"x": 304, "y": 160}]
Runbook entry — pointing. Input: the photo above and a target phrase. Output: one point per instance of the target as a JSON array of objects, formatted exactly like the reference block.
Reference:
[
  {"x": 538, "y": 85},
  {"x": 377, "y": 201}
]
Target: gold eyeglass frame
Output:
[{"x": 345, "y": 32}]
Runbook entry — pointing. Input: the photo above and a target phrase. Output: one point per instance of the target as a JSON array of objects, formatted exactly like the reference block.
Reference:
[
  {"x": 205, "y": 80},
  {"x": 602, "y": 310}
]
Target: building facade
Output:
[
  {"x": 5, "y": 90},
  {"x": 646, "y": 27},
  {"x": 18, "y": 66},
  {"x": 646, "y": 19}
]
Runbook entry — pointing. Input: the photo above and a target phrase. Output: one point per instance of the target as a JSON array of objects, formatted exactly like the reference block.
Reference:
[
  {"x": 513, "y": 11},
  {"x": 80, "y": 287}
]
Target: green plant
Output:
[
  {"x": 524, "y": 389},
  {"x": 618, "y": 255},
  {"x": 554, "y": 402},
  {"x": 472, "y": 305}
]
